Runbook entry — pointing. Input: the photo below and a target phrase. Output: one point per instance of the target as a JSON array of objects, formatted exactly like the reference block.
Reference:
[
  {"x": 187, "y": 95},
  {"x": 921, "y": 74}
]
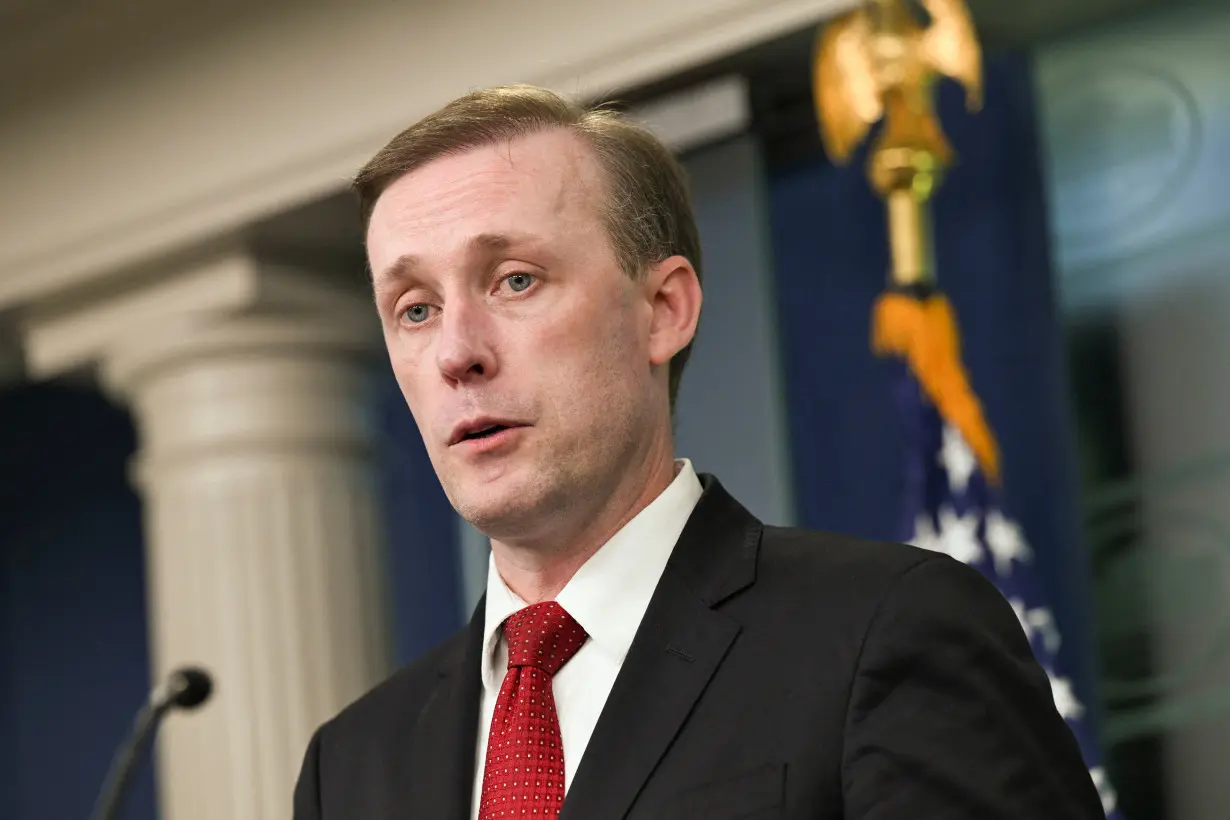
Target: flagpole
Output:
[{"x": 909, "y": 231}]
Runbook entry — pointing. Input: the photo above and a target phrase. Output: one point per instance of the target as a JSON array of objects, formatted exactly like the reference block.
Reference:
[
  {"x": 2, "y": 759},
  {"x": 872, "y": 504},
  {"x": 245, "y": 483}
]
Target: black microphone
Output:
[{"x": 185, "y": 688}]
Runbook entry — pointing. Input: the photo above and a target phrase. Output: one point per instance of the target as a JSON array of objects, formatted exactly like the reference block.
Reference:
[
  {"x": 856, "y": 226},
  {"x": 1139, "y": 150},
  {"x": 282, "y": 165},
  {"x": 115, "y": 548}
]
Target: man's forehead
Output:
[
  {"x": 555, "y": 170},
  {"x": 556, "y": 161},
  {"x": 547, "y": 173}
]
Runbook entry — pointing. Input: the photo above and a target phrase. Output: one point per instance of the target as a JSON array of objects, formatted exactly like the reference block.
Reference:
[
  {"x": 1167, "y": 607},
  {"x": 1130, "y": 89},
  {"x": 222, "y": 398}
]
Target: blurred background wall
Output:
[
  {"x": 174, "y": 190},
  {"x": 1136, "y": 122}
]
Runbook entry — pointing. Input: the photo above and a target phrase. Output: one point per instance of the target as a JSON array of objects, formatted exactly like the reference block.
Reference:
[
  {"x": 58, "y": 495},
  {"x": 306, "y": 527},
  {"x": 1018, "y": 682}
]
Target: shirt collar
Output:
[{"x": 609, "y": 594}]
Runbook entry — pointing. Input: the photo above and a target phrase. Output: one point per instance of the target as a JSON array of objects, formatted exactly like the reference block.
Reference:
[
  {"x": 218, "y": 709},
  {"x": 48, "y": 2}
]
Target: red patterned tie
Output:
[{"x": 524, "y": 775}]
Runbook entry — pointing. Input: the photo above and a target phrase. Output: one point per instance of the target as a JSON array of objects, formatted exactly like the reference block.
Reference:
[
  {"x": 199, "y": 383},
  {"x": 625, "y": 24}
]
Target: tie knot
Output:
[{"x": 542, "y": 635}]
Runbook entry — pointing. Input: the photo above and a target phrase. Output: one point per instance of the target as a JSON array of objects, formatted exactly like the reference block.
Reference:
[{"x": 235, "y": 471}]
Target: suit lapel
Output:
[
  {"x": 442, "y": 774},
  {"x": 679, "y": 645}
]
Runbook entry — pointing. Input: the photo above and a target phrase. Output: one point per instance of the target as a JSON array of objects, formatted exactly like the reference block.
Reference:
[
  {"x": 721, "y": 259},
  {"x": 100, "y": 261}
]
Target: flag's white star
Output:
[
  {"x": 1034, "y": 621},
  {"x": 1041, "y": 620},
  {"x": 1004, "y": 539},
  {"x": 957, "y": 459},
  {"x": 1110, "y": 801},
  {"x": 925, "y": 535},
  {"x": 1065, "y": 699},
  {"x": 959, "y": 535}
]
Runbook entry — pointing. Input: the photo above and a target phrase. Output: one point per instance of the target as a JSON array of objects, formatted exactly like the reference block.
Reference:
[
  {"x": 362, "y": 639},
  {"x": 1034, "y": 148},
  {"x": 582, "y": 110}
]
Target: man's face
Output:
[{"x": 523, "y": 350}]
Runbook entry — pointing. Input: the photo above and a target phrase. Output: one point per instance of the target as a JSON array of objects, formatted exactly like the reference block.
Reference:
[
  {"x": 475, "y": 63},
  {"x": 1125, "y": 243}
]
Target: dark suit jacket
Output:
[{"x": 777, "y": 673}]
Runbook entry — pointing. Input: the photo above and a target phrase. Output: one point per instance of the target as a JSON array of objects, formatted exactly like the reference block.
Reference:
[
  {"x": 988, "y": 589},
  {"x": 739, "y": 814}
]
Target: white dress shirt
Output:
[{"x": 608, "y": 597}]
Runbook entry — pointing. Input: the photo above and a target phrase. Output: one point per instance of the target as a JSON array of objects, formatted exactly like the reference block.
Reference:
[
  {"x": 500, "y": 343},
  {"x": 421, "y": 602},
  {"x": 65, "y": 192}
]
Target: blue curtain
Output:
[
  {"x": 992, "y": 259},
  {"x": 422, "y": 532},
  {"x": 72, "y": 596}
]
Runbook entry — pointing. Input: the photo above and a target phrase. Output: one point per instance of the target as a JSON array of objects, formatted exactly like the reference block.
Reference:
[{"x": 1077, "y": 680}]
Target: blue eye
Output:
[
  {"x": 518, "y": 282},
  {"x": 417, "y": 314}
]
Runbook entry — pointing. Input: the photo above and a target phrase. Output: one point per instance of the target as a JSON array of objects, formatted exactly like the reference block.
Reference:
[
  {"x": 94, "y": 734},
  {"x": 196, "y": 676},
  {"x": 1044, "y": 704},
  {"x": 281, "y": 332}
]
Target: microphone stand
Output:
[{"x": 185, "y": 689}]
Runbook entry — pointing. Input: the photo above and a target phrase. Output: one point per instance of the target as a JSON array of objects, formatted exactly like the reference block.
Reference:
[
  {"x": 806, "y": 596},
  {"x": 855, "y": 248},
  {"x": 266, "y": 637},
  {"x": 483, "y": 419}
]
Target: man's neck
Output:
[{"x": 538, "y": 572}]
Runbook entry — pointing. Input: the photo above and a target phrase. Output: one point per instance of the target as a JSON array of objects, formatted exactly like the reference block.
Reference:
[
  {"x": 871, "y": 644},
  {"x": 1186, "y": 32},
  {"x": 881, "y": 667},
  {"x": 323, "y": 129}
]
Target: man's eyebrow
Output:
[
  {"x": 502, "y": 241},
  {"x": 404, "y": 266},
  {"x": 401, "y": 268}
]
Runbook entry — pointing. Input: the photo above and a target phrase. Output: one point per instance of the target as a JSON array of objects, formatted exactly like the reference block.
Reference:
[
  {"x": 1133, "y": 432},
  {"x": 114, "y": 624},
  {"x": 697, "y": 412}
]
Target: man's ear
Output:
[{"x": 674, "y": 295}]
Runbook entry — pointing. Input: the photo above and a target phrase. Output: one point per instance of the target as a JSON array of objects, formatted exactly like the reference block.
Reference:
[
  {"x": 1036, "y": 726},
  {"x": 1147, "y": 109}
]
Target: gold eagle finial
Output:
[{"x": 880, "y": 61}]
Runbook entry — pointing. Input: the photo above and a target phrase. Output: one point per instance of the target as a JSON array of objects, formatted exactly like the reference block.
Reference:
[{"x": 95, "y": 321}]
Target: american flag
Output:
[{"x": 952, "y": 502}]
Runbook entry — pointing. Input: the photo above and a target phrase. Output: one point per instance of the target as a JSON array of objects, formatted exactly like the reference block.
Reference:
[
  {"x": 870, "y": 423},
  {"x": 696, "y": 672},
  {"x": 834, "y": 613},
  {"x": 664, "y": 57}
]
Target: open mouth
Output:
[{"x": 484, "y": 432}]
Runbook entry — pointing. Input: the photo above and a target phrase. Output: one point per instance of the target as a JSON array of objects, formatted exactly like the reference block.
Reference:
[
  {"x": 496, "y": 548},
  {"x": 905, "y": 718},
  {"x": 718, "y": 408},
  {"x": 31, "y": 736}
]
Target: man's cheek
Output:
[{"x": 417, "y": 401}]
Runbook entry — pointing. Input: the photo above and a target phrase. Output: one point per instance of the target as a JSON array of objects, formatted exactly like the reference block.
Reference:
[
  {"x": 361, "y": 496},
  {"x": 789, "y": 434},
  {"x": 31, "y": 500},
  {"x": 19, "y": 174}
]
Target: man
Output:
[{"x": 646, "y": 648}]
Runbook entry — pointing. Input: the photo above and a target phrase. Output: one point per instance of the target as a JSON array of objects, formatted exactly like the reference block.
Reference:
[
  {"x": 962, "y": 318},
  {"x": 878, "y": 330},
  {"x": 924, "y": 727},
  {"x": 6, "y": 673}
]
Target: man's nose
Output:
[{"x": 464, "y": 352}]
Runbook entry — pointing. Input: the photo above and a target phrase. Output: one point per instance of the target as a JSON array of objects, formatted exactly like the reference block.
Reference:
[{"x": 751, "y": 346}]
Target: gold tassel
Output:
[{"x": 924, "y": 333}]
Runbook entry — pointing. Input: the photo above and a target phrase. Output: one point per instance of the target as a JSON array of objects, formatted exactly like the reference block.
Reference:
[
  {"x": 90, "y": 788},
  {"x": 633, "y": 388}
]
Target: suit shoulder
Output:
[
  {"x": 403, "y": 691},
  {"x": 860, "y": 574},
  {"x": 817, "y": 551},
  {"x": 832, "y": 570}
]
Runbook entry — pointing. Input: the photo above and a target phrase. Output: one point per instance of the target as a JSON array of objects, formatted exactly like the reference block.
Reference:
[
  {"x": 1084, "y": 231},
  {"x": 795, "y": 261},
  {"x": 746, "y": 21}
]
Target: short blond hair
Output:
[{"x": 647, "y": 210}]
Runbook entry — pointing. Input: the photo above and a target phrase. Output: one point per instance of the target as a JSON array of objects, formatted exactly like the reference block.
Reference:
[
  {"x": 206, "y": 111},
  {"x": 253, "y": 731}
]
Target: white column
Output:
[{"x": 265, "y": 555}]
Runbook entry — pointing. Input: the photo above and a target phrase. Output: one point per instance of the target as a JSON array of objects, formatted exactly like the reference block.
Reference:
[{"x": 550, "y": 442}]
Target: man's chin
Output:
[{"x": 502, "y": 512}]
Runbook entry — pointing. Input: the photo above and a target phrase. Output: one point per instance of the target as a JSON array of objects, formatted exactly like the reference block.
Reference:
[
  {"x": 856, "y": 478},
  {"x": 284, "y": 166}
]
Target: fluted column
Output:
[{"x": 265, "y": 556}]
